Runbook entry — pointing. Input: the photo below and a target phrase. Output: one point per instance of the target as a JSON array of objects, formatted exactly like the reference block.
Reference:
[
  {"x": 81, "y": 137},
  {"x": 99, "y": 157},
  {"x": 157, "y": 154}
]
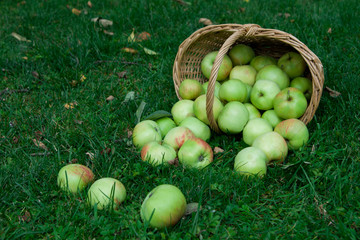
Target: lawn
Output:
[{"x": 59, "y": 69}]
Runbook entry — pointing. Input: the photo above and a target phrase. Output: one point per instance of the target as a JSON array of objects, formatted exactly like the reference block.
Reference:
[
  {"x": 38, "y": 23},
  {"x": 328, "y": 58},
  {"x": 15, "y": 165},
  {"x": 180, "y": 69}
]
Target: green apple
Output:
[
  {"x": 261, "y": 61},
  {"x": 199, "y": 128},
  {"x": 190, "y": 89},
  {"x": 253, "y": 111},
  {"x": 304, "y": 85},
  {"x": 156, "y": 153},
  {"x": 254, "y": 128},
  {"x": 275, "y": 74},
  {"x": 182, "y": 109},
  {"x": 195, "y": 153},
  {"x": 293, "y": 64},
  {"x": 216, "y": 89},
  {"x": 271, "y": 117},
  {"x": 241, "y": 54},
  {"x": 251, "y": 161},
  {"x": 106, "y": 193},
  {"x": 263, "y": 94},
  {"x": 294, "y": 132},
  {"x": 233, "y": 90},
  {"x": 163, "y": 207},
  {"x": 177, "y": 136},
  {"x": 290, "y": 103},
  {"x": 244, "y": 73},
  {"x": 233, "y": 118},
  {"x": 144, "y": 132},
  {"x": 273, "y": 145},
  {"x": 165, "y": 124},
  {"x": 200, "y": 108},
  {"x": 208, "y": 62},
  {"x": 74, "y": 177}
]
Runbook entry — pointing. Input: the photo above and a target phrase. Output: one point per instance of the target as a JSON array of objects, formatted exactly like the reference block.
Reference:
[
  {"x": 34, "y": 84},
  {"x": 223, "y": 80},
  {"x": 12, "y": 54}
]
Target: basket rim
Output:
[{"x": 254, "y": 31}]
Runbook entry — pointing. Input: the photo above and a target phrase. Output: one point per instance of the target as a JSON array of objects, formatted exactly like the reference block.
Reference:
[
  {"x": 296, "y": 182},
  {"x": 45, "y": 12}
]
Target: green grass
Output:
[{"x": 314, "y": 195}]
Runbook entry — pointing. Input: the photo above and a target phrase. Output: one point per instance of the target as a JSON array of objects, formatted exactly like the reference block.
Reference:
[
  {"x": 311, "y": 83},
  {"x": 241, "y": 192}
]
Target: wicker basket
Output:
[{"x": 221, "y": 38}]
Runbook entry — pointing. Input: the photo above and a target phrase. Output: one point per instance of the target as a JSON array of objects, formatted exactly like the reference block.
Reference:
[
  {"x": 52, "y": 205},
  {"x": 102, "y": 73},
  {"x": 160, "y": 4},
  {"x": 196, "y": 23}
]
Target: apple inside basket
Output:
[{"x": 223, "y": 38}]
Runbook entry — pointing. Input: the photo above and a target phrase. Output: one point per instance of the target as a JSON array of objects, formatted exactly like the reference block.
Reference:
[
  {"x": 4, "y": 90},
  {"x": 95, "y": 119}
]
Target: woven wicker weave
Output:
[{"x": 221, "y": 38}]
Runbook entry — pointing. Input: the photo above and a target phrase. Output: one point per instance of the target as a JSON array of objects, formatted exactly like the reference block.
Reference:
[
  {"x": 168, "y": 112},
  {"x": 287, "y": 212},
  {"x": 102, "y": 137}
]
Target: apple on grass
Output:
[
  {"x": 275, "y": 74},
  {"x": 290, "y": 103},
  {"x": 199, "y": 128},
  {"x": 190, "y": 89},
  {"x": 177, "y": 136},
  {"x": 251, "y": 161},
  {"x": 195, "y": 153},
  {"x": 273, "y": 145},
  {"x": 304, "y": 85},
  {"x": 244, "y": 73},
  {"x": 253, "y": 111},
  {"x": 241, "y": 54},
  {"x": 263, "y": 94},
  {"x": 163, "y": 206},
  {"x": 233, "y": 90},
  {"x": 144, "y": 132},
  {"x": 106, "y": 193},
  {"x": 271, "y": 117},
  {"x": 165, "y": 124},
  {"x": 200, "y": 108},
  {"x": 233, "y": 118},
  {"x": 156, "y": 153},
  {"x": 294, "y": 132},
  {"x": 254, "y": 128},
  {"x": 261, "y": 61},
  {"x": 182, "y": 109},
  {"x": 293, "y": 64},
  {"x": 74, "y": 177},
  {"x": 216, "y": 89},
  {"x": 208, "y": 62}
]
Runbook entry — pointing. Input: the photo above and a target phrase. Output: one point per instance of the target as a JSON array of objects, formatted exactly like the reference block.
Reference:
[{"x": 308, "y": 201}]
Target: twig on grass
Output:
[{"x": 11, "y": 91}]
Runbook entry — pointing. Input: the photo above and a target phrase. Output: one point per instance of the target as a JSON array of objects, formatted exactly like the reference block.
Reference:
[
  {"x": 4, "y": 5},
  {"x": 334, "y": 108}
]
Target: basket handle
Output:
[{"x": 246, "y": 30}]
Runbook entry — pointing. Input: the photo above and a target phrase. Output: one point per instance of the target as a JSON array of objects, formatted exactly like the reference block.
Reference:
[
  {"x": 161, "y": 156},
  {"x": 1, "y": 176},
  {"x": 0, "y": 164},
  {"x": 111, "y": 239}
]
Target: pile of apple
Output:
[{"x": 260, "y": 97}]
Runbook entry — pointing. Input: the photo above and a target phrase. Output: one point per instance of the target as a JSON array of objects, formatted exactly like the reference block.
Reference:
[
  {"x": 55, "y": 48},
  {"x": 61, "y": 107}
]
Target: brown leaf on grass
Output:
[
  {"x": 102, "y": 22},
  {"x": 205, "y": 21},
  {"x": 129, "y": 50},
  {"x": 21, "y": 3},
  {"x": 35, "y": 74},
  {"x": 191, "y": 207},
  {"x": 218, "y": 150},
  {"x": 108, "y": 33},
  {"x": 122, "y": 74},
  {"x": 91, "y": 155},
  {"x": 131, "y": 37},
  {"x": 15, "y": 139},
  {"x": 70, "y": 105},
  {"x": 242, "y": 9},
  {"x": 19, "y": 37},
  {"x": 78, "y": 121},
  {"x": 286, "y": 15},
  {"x": 40, "y": 144},
  {"x": 74, "y": 160},
  {"x": 38, "y": 135},
  {"x": 26, "y": 217},
  {"x": 143, "y": 36},
  {"x": 129, "y": 132},
  {"x": 75, "y": 11},
  {"x": 333, "y": 93},
  {"x": 329, "y": 30},
  {"x": 89, "y": 4},
  {"x": 110, "y": 98}
]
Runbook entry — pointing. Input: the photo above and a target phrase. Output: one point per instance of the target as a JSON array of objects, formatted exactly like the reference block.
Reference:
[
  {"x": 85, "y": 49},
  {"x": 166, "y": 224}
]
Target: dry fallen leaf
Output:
[
  {"x": 143, "y": 36},
  {"x": 333, "y": 93},
  {"x": 149, "y": 51},
  {"x": 218, "y": 150},
  {"x": 108, "y": 33},
  {"x": 287, "y": 15},
  {"x": 129, "y": 50},
  {"x": 102, "y": 22},
  {"x": 191, "y": 207},
  {"x": 26, "y": 217},
  {"x": 89, "y": 4},
  {"x": 82, "y": 78},
  {"x": 205, "y": 21},
  {"x": 75, "y": 11},
  {"x": 122, "y": 74},
  {"x": 90, "y": 155},
  {"x": 329, "y": 30},
  {"x": 39, "y": 144},
  {"x": 70, "y": 105},
  {"x": 19, "y": 37},
  {"x": 242, "y": 9},
  {"x": 110, "y": 98},
  {"x": 131, "y": 37}
]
